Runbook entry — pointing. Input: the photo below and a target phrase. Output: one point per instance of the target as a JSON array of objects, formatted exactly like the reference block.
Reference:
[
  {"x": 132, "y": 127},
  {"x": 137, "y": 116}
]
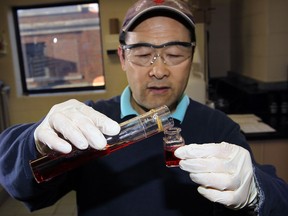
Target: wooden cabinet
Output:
[{"x": 274, "y": 152}]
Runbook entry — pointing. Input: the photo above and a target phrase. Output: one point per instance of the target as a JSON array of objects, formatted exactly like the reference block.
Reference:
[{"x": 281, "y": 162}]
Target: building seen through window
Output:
[{"x": 60, "y": 47}]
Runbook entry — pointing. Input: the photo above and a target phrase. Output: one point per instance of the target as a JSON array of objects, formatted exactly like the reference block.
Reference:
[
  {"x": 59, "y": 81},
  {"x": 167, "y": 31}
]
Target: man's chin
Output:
[
  {"x": 150, "y": 106},
  {"x": 151, "y": 103}
]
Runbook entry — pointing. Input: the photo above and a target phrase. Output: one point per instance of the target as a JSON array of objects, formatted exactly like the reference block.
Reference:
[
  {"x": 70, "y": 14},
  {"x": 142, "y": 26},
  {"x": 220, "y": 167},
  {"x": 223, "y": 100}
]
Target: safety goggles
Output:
[{"x": 171, "y": 53}]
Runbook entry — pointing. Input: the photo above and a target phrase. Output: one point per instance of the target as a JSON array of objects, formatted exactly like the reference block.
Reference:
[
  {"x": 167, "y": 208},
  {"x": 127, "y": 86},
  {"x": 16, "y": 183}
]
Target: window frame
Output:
[{"x": 21, "y": 57}]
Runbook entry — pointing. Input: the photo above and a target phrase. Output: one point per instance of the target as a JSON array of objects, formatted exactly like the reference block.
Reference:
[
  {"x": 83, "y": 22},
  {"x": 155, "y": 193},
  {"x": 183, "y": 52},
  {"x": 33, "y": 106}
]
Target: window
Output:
[{"x": 60, "y": 47}]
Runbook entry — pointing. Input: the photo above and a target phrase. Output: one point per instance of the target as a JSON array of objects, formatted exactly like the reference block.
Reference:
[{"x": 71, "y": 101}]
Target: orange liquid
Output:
[{"x": 54, "y": 164}]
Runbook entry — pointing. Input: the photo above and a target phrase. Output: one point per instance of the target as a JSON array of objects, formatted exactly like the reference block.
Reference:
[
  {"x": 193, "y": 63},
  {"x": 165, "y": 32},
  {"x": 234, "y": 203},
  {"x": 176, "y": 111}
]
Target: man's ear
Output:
[{"x": 121, "y": 56}]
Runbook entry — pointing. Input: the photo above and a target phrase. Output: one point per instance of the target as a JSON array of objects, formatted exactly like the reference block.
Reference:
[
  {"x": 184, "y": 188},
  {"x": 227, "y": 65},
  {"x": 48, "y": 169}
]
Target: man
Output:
[{"x": 217, "y": 174}]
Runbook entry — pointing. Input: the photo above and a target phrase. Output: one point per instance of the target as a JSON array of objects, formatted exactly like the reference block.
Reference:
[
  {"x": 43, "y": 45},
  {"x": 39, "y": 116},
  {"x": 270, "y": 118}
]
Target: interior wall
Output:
[
  {"x": 32, "y": 108},
  {"x": 249, "y": 38},
  {"x": 219, "y": 45},
  {"x": 277, "y": 41},
  {"x": 259, "y": 34}
]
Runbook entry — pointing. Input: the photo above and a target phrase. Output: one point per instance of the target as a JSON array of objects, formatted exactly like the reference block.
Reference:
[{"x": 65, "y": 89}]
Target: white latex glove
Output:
[
  {"x": 224, "y": 172},
  {"x": 73, "y": 122}
]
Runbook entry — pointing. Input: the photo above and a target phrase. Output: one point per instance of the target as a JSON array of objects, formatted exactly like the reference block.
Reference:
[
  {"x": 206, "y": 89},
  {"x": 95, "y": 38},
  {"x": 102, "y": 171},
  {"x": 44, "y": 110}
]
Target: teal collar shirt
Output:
[{"x": 127, "y": 109}]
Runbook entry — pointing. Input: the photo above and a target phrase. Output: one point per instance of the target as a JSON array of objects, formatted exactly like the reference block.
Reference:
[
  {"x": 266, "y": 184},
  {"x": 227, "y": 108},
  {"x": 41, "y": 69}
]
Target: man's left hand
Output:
[{"x": 224, "y": 172}]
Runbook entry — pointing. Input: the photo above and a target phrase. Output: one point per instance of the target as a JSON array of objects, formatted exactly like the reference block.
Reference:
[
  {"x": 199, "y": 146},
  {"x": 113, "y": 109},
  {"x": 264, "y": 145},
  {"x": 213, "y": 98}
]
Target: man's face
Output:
[{"x": 157, "y": 84}]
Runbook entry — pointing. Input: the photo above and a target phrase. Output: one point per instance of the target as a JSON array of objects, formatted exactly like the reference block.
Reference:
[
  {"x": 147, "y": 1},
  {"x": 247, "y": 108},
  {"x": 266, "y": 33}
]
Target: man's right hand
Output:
[{"x": 73, "y": 123}]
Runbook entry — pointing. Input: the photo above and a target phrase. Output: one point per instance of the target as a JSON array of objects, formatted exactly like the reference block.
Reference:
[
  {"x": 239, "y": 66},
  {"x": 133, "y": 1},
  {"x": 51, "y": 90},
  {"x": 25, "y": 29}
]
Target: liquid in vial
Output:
[{"x": 172, "y": 141}]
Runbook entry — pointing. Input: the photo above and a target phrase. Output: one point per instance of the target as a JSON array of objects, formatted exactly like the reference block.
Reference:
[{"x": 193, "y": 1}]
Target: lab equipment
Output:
[
  {"x": 133, "y": 130},
  {"x": 172, "y": 140}
]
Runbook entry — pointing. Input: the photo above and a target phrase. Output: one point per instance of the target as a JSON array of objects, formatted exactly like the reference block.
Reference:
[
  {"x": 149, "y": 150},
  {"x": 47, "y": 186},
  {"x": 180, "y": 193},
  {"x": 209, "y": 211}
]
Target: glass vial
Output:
[{"x": 172, "y": 140}]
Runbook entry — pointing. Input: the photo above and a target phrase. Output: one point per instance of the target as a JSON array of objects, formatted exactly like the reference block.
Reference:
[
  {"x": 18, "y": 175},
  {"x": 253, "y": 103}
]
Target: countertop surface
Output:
[{"x": 278, "y": 122}]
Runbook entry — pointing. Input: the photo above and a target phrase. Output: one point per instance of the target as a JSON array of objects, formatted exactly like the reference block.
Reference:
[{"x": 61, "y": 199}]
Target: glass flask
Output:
[{"x": 133, "y": 130}]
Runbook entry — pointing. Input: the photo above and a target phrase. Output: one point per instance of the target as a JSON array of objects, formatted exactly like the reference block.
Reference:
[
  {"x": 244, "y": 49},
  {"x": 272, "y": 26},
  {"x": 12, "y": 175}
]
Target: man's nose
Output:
[{"x": 159, "y": 68}]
